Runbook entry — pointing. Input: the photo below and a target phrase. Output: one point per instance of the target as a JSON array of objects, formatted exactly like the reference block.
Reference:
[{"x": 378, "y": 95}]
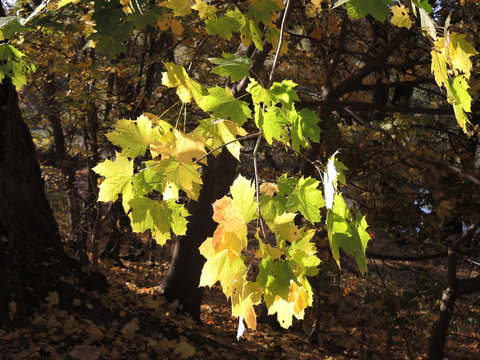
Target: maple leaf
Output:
[
  {"x": 302, "y": 255},
  {"x": 262, "y": 10},
  {"x": 260, "y": 94},
  {"x": 158, "y": 216},
  {"x": 235, "y": 67},
  {"x": 134, "y": 137},
  {"x": 205, "y": 11},
  {"x": 245, "y": 296},
  {"x": 179, "y": 7},
  {"x": 222, "y": 104},
  {"x": 243, "y": 195},
  {"x": 401, "y": 16},
  {"x": 224, "y": 26},
  {"x": 268, "y": 188},
  {"x": 458, "y": 87},
  {"x": 346, "y": 233},
  {"x": 220, "y": 267},
  {"x": 183, "y": 175},
  {"x": 361, "y": 8},
  {"x": 177, "y": 77},
  {"x": 187, "y": 147},
  {"x": 273, "y": 122},
  {"x": 250, "y": 32},
  {"x": 149, "y": 178},
  {"x": 439, "y": 64},
  {"x": 233, "y": 215},
  {"x": 274, "y": 277},
  {"x": 303, "y": 196},
  {"x": 299, "y": 298},
  {"x": 304, "y": 128},
  {"x": 167, "y": 21},
  {"x": 216, "y": 132},
  {"x": 284, "y": 91},
  {"x": 460, "y": 50},
  {"x": 118, "y": 177}
]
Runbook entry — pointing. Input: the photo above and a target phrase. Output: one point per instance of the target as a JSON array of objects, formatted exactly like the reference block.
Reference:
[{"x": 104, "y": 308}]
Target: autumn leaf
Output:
[
  {"x": 177, "y": 77},
  {"x": 401, "y": 16},
  {"x": 118, "y": 177}
]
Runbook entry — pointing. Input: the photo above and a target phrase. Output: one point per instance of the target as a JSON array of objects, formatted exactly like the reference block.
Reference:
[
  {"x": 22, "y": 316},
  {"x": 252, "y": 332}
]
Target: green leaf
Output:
[
  {"x": 423, "y": 4},
  {"x": 222, "y": 104},
  {"x": 346, "y": 233},
  {"x": 306, "y": 199},
  {"x": 459, "y": 91},
  {"x": 235, "y": 67},
  {"x": 9, "y": 26},
  {"x": 274, "y": 276},
  {"x": 273, "y": 123},
  {"x": 250, "y": 32},
  {"x": 134, "y": 137},
  {"x": 150, "y": 178},
  {"x": 379, "y": 9},
  {"x": 302, "y": 256},
  {"x": 118, "y": 177},
  {"x": 304, "y": 128},
  {"x": 158, "y": 216},
  {"x": 225, "y": 25},
  {"x": 284, "y": 92},
  {"x": 260, "y": 94},
  {"x": 12, "y": 65}
]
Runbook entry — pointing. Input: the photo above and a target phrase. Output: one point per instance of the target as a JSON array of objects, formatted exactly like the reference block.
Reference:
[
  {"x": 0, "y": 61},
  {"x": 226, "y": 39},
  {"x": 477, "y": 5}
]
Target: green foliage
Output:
[
  {"x": 361, "y": 8},
  {"x": 221, "y": 103},
  {"x": 9, "y": 26},
  {"x": 235, "y": 67},
  {"x": 347, "y": 233},
  {"x": 12, "y": 65}
]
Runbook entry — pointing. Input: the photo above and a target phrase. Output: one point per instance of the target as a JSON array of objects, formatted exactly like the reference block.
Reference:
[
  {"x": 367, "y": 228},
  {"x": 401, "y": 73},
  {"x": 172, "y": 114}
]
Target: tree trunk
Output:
[
  {"x": 32, "y": 260},
  {"x": 183, "y": 277},
  {"x": 439, "y": 331}
]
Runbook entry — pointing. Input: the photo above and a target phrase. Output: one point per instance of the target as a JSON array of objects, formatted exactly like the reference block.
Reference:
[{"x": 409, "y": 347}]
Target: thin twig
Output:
[
  {"x": 280, "y": 43},
  {"x": 249, "y": 136}
]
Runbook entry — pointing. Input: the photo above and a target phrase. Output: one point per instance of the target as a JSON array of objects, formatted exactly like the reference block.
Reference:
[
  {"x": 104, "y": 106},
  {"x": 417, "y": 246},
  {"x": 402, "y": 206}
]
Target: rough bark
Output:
[
  {"x": 183, "y": 277},
  {"x": 32, "y": 260}
]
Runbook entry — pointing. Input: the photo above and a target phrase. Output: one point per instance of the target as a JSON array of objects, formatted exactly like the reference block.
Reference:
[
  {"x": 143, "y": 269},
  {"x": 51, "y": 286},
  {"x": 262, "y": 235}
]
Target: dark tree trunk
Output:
[
  {"x": 438, "y": 335},
  {"x": 32, "y": 260},
  {"x": 183, "y": 277}
]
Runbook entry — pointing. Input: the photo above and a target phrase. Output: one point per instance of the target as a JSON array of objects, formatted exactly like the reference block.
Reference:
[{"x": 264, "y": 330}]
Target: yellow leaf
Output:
[
  {"x": 401, "y": 17},
  {"x": 187, "y": 147},
  {"x": 62, "y": 3},
  {"x": 460, "y": 51},
  {"x": 205, "y": 11},
  {"x": 177, "y": 77},
  {"x": 179, "y": 7}
]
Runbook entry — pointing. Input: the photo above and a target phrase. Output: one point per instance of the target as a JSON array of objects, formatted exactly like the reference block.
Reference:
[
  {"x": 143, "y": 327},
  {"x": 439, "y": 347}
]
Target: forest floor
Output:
[{"x": 359, "y": 318}]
